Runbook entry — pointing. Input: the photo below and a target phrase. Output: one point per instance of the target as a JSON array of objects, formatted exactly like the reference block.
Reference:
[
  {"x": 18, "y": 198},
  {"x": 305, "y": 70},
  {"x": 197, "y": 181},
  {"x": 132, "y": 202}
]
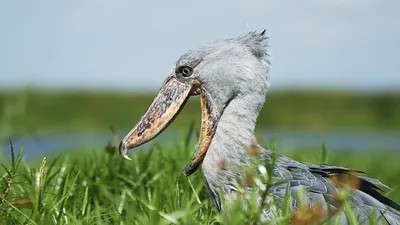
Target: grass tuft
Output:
[{"x": 99, "y": 187}]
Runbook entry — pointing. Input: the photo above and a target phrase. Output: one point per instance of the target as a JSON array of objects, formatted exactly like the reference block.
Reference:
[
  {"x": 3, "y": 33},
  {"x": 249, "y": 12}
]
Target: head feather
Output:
[{"x": 257, "y": 42}]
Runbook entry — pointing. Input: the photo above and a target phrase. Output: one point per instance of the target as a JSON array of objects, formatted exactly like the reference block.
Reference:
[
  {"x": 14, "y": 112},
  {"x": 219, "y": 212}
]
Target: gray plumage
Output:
[{"x": 235, "y": 74}]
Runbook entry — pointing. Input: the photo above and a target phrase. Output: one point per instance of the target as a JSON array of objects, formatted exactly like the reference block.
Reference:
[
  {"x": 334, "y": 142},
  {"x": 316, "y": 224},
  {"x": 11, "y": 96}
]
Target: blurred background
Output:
[{"x": 71, "y": 70}]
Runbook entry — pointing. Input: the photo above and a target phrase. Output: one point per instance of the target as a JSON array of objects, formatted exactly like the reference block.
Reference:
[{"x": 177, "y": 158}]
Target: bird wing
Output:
[{"x": 318, "y": 184}]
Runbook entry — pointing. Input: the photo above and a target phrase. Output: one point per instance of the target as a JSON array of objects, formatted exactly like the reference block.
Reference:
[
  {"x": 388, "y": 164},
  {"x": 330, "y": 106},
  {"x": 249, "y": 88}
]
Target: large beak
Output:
[
  {"x": 169, "y": 101},
  {"x": 166, "y": 106},
  {"x": 209, "y": 122}
]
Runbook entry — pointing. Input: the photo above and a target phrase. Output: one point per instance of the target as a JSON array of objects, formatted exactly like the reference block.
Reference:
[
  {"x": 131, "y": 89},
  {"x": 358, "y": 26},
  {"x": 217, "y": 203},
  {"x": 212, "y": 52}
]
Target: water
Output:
[{"x": 287, "y": 140}]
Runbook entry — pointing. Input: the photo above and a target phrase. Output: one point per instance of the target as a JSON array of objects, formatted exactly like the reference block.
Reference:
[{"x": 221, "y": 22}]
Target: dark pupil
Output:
[{"x": 185, "y": 71}]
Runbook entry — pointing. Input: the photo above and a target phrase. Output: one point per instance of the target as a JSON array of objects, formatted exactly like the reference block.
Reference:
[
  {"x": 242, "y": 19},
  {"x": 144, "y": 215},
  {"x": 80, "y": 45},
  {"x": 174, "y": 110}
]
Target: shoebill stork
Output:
[{"x": 231, "y": 77}]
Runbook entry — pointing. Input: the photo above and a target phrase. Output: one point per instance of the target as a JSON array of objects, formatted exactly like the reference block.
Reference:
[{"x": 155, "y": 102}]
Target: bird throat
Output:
[{"x": 233, "y": 137}]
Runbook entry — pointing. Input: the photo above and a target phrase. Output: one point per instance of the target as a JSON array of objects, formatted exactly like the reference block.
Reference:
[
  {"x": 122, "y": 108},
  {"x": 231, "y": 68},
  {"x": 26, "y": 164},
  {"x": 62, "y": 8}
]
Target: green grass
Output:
[
  {"x": 41, "y": 111},
  {"x": 99, "y": 187}
]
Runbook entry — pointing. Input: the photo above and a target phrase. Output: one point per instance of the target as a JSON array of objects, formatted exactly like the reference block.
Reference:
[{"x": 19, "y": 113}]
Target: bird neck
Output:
[{"x": 234, "y": 134}]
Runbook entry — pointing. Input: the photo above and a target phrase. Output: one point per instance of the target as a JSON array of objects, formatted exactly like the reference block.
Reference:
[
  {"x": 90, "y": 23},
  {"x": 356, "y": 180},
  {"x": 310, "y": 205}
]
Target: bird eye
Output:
[{"x": 185, "y": 71}]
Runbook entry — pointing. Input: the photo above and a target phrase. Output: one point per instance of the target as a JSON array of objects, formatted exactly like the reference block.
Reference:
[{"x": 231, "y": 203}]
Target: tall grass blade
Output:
[{"x": 12, "y": 155}]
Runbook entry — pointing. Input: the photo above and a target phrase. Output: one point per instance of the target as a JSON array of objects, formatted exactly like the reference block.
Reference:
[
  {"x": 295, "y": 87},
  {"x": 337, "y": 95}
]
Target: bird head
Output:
[{"x": 219, "y": 72}]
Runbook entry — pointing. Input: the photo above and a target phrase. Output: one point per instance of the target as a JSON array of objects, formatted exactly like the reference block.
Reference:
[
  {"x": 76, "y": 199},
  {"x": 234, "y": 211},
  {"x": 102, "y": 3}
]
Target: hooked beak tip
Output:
[{"x": 123, "y": 150}]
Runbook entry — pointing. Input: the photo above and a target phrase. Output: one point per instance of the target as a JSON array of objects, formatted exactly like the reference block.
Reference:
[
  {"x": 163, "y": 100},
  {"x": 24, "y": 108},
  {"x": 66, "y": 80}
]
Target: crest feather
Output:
[{"x": 257, "y": 42}]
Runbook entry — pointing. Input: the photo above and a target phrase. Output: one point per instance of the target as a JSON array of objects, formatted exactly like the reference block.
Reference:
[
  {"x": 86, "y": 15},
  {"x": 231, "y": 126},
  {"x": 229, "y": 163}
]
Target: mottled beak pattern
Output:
[{"x": 170, "y": 99}]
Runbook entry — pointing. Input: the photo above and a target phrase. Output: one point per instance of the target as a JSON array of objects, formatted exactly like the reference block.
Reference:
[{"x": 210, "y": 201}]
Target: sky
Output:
[{"x": 130, "y": 45}]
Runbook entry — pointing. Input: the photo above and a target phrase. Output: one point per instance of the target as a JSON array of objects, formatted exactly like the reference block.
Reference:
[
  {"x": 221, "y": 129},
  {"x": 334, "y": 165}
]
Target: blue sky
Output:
[{"x": 131, "y": 45}]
